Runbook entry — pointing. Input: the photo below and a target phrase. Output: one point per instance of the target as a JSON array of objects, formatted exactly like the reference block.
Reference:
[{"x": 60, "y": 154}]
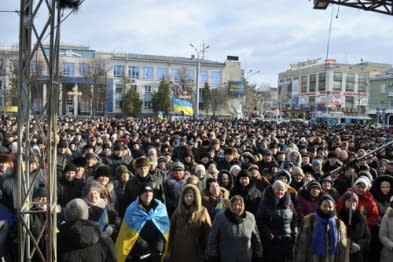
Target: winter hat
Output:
[
  {"x": 145, "y": 188},
  {"x": 200, "y": 167},
  {"x": 367, "y": 174},
  {"x": 69, "y": 167},
  {"x": 285, "y": 173},
  {"x": 363, "y": 180},
  {"x": 313, "y": 184},
  {"x": 92, "y": 186},
  {"x": 103, "y": 170},
  {"x": 279, "y": 184},
  {"x": 76, "y": 209},
  {"x": 252, "y": 167},
  {"x": 177, "y": 166},
  {"x": 62, "y": 144},
  {"x": 209, "y": 181},
  {"x": 324, "y": 197},
  {"x": 243, "y": 173},
  {"x": 326, "y": 178},
  {"x": 40, "y": 192},
  {"x": 141, "y": 162},
  {"x": 119, "y": 146},
  {"x": 347, "y": 195},
  {"x": 233, "y": 168},
  {"x": 79, "y": 161},
  {"x": 297, "y": 171},
  {"x": 90, "y": 156},
  {"x": 122, "y": 169}
]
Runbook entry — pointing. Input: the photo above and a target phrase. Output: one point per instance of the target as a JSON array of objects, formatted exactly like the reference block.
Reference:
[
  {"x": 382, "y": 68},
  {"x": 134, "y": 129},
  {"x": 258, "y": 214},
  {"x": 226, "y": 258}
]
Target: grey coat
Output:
[
  {"x": 386, "y": 236},
  {"x": 231, "y": 242}
]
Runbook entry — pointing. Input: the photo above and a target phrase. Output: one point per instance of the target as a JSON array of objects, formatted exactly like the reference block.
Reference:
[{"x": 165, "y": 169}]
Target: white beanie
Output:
[
  {"x": 363, "y": 180},
  {"x": 200, "y": 167},
  {"x": 76, "y": 209}
]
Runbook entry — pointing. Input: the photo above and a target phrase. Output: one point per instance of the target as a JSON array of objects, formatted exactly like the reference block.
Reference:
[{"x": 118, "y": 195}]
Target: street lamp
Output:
[{"x": 200, "y": 55}]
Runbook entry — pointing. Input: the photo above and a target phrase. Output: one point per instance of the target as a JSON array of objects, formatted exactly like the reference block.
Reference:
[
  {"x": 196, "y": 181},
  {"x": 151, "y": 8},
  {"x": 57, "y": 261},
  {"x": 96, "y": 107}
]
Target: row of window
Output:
[
  {"x": 308, "y": 83},
  {"x": 176, "y": 74}
]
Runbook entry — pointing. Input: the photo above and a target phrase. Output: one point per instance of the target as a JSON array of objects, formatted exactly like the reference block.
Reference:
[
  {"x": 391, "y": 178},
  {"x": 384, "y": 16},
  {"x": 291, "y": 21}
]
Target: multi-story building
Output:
[
  {"x": 93, "y": 82},
  {"x": 329, "y": 86},
  {"x": 381, "y": 98}
]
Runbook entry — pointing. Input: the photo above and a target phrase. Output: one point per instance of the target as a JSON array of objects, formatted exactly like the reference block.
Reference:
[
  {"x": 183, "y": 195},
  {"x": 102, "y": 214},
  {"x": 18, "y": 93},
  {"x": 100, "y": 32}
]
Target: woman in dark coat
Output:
[
  {"x": 246, "y": 188},
  {"x": 81, "y": 239},
  {"x": 357, "y": 231},
  {"x": 190, "y": 225},
  {"x": 277, "y": 223}
]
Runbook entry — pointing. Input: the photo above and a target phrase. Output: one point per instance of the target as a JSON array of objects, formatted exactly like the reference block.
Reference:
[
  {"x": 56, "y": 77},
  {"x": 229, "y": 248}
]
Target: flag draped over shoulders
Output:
[{"x": 134, "y": 220}]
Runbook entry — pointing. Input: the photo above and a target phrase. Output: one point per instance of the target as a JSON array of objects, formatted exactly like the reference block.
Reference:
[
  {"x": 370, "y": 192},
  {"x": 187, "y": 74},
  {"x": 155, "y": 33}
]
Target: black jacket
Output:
[{"x": 83, "y": 240}]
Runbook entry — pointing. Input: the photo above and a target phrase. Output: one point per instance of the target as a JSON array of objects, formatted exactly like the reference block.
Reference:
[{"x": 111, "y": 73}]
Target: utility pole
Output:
[{"x": 200, "y": 56}]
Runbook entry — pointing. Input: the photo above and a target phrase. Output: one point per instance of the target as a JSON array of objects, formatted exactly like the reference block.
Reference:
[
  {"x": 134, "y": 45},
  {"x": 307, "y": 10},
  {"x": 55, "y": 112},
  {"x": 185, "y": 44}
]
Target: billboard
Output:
[{"x": 236, "y": 88}]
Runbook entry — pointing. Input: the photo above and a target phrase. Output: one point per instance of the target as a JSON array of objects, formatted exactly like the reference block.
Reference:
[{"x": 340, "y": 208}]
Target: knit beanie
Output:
[
  {"x": 69, "y": 167},
  {"x": 363, "y": 180},
  {"x": 347, "y": 195},
  {"x": 103, "y": 170},
  {"x": 76, "y": 209}
]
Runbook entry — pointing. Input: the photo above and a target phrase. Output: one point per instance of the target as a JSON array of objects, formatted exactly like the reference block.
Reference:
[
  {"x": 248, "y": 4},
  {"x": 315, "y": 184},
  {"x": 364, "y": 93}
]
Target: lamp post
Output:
[{"x": 200, "y": 56}]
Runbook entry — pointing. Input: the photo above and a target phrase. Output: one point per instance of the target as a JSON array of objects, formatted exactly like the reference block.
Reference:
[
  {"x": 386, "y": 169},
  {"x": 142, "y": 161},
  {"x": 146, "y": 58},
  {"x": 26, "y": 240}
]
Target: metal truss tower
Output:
[
  {"x": 379, "y": 6},
  {"x": 32, "y": 35}
]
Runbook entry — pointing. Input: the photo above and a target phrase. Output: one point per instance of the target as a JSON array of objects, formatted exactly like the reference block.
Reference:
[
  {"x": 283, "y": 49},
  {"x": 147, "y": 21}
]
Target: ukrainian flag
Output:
[
  {"x": 134, "y": 220},
  {"x": 103, "y": 220},
  {"x": 182, "y": 106}
]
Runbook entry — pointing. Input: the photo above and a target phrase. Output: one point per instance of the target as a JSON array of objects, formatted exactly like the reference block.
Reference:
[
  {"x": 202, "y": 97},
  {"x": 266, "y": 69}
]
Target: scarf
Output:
[{"x": 318, "y": 244}]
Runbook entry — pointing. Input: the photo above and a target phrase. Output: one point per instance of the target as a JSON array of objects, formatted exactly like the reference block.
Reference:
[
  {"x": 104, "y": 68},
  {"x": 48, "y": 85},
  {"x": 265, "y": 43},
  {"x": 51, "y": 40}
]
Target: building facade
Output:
[
  {"x": 94, "y": 83},
  {"x": 381, "y": 98},
  {"x": 328, "y": 86}
]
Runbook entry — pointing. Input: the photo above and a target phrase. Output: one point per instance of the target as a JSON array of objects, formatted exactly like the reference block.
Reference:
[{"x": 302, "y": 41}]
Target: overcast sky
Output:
[{"x": 267, "y": 35}]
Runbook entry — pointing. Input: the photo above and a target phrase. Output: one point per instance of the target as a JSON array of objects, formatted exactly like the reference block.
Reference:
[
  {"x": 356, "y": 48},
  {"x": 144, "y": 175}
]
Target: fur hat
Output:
[
  {"x": 69, "y": 167},
  {"x": 76, "y": 209},
  {"x": 141, "y": 162},
  {"x": 103, "y": 170}
]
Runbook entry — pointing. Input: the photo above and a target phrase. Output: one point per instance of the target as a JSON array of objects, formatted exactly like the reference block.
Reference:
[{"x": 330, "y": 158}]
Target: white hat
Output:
[
  {"x": 76, "y": 209},
  {"x": 363, "y": 180}
]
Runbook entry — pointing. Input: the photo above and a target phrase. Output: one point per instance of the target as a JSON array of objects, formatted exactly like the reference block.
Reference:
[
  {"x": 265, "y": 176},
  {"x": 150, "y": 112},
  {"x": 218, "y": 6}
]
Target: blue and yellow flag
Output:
[
  {"x": 103, "y": 220},
  {"x": 134, "y": 220},
  {"x": 182, "y": 106}
]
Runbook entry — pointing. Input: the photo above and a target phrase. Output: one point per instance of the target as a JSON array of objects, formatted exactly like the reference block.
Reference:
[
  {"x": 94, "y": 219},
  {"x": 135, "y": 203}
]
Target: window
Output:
[
  {"x": 118, "y": 71},
  {"x": 162, "y": 73},
  {"x": 147, "y": 89},
  {"x": 147, "y": 104},
  {"x": 349, "y": 102},
  {"x": 134, "y": 87},
  {"x": 84, "y": 69},
  {"x": 313, "y": 82},
  {"x": 175, "y": 74},
  {"x": 148, "y": 73},
  {"x": 133, "y": 72},
  {"x": 215, "y": 77},
  {"x": 337, "y": 81},
  {"x": 84, "y": 106},
  {"x": 119, "y": 89},
  {"x": 203, "y": 76},
  {"x": 322, "y": 82},
  {"x": 190, "y": 75},
  {"x": 362, "y": 83},
  {"x": 350, "y": 82},
  {"x": 118, "y": 104},
  {"x": 303, "y": 84},
  {"x": 68, "y": 69}
]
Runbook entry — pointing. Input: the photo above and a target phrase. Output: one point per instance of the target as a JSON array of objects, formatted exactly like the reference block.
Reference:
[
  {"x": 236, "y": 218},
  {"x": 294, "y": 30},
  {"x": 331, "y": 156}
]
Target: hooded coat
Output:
[
  {"x": 381, "y": 199},
  {"x": 190, "y": 227},
  {"x": 386, "y": 236},
  {"x": 83, "y": 240}
]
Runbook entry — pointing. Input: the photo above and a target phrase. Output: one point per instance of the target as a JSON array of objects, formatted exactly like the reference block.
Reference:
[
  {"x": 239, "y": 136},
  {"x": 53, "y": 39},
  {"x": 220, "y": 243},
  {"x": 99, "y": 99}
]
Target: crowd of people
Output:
[{"x": 207, "y": 190}]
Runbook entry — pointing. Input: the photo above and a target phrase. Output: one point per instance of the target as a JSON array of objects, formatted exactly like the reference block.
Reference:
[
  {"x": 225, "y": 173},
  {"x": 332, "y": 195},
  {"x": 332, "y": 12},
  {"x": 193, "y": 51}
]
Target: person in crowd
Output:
[
  {"x": 327, "y": 186},
  {"x": 92, "y": 161},
  {"x": 99, "y": 209},
  {"x": 344, "y": 181},
  {"x": 228, "y": 160},
  {"x": 386, "y": 234},
  {"x": 246, "y": 188},
  {"x": 63, "y": 157},
  {"x": 308, "y": 199},
  {"x": 103, "y": 174},
  {"x": 82, "y": 239},
  {"x": 382, "y": 191},
  {"x": 189, "y": 161},
  {"x": 142, "y": 176},
  {"x": 144, "y": 232},
  {"x": 297, "y": 179},
  {"x": 212, "y": 170},
  {"x": 261, "y": 182},
  {"x": 215, "y": 198},
  {"x": 174, "y": 185},
  {"x": 68, "y": 186},
  {"x": 37, "y": 218},
  {"x": 323, "y": 236},
  {"x": 200, "y": 172},
  {"x": 190, "y": 226},
  {"x": 234, "y": 171},
  {"x": 225, "y": 179},
  {"x": 120, "y": 156},
  {"x": 286, "y": 177},
  {"x": 277, "y": 222},
  {"x": 358, "y": 233},
  {"x": 122, "y": 177},
  {"x": 234, "y": 235}
]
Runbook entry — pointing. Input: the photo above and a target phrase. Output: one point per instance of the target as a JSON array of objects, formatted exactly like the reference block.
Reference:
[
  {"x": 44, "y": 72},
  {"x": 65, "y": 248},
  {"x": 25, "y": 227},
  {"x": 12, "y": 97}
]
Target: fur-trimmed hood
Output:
[{"x": 197, "y": 206}]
